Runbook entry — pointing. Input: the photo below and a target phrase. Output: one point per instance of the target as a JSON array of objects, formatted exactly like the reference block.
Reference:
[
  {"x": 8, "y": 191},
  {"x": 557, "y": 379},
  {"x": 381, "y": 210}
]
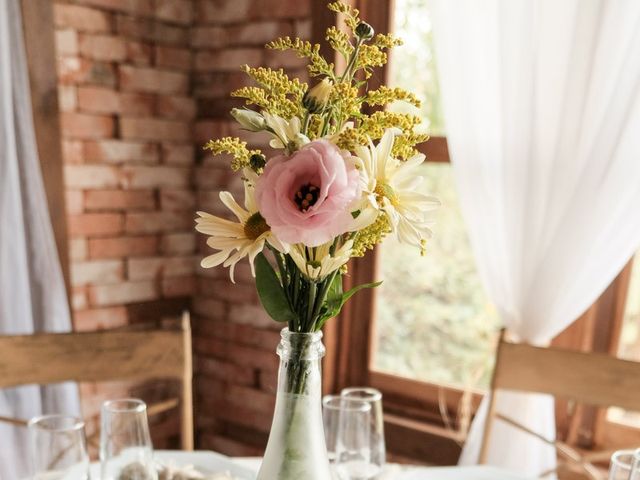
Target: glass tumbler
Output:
[
  {"x": 58, "y": 448},
  {"x": 126, "y": 452},
  {"x": 374, "y": 398},
  {"x": 621, "y": 463},
  {"x": 635, "y": 469}
]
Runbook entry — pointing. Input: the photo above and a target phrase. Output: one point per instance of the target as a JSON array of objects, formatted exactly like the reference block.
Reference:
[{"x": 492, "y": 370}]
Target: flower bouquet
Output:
[{"x": 344, "y": 176}]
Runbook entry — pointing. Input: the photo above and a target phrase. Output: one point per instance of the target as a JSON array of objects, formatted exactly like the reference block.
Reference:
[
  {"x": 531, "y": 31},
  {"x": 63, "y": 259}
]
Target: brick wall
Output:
[
  {"x": 142, "y": 85},
  {"x": 124, "y": 69}
]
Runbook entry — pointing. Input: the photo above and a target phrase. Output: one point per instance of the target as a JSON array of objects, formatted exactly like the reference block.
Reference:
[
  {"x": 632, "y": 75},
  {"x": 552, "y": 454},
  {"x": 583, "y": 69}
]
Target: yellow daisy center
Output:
[
  {"x": 384, "y": 190},
  {"x": 255, "y": 226}
]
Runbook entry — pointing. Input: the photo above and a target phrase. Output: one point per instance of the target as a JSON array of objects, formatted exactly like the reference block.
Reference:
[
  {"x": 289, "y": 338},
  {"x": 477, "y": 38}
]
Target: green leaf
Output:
[
  {"x": 272, "y": 295},
  {"x": 355, "y": 290}
]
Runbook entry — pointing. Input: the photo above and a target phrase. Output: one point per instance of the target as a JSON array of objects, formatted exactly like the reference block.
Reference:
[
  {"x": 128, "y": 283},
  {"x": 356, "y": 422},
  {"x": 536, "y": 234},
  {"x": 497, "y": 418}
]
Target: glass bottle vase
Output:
[{"x": 296, "y": 448}]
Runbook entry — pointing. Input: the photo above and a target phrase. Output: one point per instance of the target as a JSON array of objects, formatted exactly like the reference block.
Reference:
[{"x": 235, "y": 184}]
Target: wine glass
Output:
[
  {"x": 635, "y": 469},
  {"x": 374, "y": 398},
  {"x": 621, "y": 463},
  {"x": 58, "y": 448},
  {"x": 347, "y": 423},
  {"x": 125, "y": 444}
]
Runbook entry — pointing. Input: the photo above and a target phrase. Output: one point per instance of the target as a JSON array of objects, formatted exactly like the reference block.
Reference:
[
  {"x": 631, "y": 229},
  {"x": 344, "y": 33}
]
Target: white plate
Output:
[
  {"x": 459, "y": 473},
  {"x": 204, "y": 461}
]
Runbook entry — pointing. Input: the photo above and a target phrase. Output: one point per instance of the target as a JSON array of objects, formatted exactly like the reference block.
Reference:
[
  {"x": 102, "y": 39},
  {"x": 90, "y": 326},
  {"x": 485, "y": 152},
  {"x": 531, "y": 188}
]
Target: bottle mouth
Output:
[
  {"x": 302, "y": 345},
  {"x": 286, "y": 334}
]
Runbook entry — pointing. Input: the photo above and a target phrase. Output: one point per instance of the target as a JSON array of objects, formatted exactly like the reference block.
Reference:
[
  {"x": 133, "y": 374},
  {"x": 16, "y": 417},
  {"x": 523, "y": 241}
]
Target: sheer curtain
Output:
[
  {"x": 32, "y": 291},
  {"x": 542, "y": 109}
]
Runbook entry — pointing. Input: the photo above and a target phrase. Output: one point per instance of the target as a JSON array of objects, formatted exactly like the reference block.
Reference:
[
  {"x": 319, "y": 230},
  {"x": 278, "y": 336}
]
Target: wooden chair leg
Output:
[{"x": 186, "y": 417}]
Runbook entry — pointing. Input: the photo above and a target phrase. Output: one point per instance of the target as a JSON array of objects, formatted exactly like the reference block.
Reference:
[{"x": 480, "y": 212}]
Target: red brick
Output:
[
  {"x": 303, "y": 29},
  {"x": 241, "y": 355},
  {"x": 178, "y": 154},
  {"x": 103, "y": 47},
  {"x": 258, "y": 33},
  {"x": 178, "y": 243},
  {"x": 78, "y": 249},
  {"x": 157, "y": 176},
  {"x": 179, "y": 286},
  {"x": 82, "y": 125},
  {"x": 154, "y": 129},
  {"x": 79, "y": 300},
  {"x": 176, "y": 107},
  {"x": 123, "y": 246},
  {"x": 91, "y": 176},
  {"x": 280, "y": 9},
  {"x": 287, "y": 60},
  {"x": 66, "y": 42},
  {"x": 72, "y": 70},
  {"x": 229, "y": 11},
  {"x": 74, "y": 201},
  {"x": 208, "y": 37},
  {"x": 253, "y": 315},
  {"x": 142, "y": 79},
  {"x": 152, "y": 31},
  {"x": 155, "y": 267},
  {"x": 208, "y": 308},
  {"x": 67, "y": 98},
  {"x": 100, "y": 319},
  {"x": 228, "y": 446},
  {"x": 227, "y": 60},
  {"x": 72, "y": 151},
  {"x": 139, "y": 53},
  {"x": 175, "y": 11},
  {"x": 118, "y": 151},
  {"x": 81, "y": 18},
  {"x": 225, "y": 290},
  {"x": 122, "y": 293},
  {"x": 137, "y": 104},
  {"x": 106, "y": 200},
  {"x": 95, "y": 224},
  {"x": 96, "y": 272},
  {"x": 171, "y": 57},
  {"x": 177, "y": 200},
  {"x": 157, "y": 222},
  {"x": 98, "y": 99},
  {"x": 224, "y": 371},
  {"x": 142, "y": 7}
]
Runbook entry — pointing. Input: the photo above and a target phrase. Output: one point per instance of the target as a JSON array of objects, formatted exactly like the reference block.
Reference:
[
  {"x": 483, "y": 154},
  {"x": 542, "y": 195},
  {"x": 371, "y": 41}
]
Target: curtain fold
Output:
[
  {"x": 542, "y": 110},
  {"x": 32, "y": 290}
]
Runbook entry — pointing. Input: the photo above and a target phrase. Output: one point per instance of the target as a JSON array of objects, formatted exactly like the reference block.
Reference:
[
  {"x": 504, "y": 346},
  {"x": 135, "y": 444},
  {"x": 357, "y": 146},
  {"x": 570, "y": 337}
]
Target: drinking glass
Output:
[
  {"x": 621, "y": 462},
  {"x": 374, "y": 398},
  {"x": 58, "y": 448},
  {"x": 347, "y": 423},
  {"x": 635, "y": 469},
  {"x": 126, "y": 452}
]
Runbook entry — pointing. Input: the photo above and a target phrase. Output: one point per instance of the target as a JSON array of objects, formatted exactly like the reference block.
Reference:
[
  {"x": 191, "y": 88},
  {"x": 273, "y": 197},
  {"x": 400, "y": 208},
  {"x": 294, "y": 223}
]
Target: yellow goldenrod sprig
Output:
[
  {"x": 384, "y": 95},
  {"x": 235, "y": 147},
  {"x": 318, "y": 66},
  {"x": 370, "y": 236},
  {"x": 351, "y": 15}
]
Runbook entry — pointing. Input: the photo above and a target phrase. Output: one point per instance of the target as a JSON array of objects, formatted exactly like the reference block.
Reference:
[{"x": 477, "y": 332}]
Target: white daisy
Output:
[
  {"x": 286, "y": 133},
  {"x": 237, "y": 240},
  {"x": 389, "y": 186},
  {"x": 319, "y": 262}
]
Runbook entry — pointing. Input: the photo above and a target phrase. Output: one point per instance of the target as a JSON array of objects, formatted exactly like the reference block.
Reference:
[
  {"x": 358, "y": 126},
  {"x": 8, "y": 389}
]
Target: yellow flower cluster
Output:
[
  {"x": 235, "y": 147},
  {"x": 384, "y": 95},
  {"x": 318, "y": 66},
  {"x": 404, "y": 146},
  {"x": 339, "y": 41},
  {"x": 368, "y": 237},
  {"x": 276, "y": 93},
  {"x": 351, "y": 15}
]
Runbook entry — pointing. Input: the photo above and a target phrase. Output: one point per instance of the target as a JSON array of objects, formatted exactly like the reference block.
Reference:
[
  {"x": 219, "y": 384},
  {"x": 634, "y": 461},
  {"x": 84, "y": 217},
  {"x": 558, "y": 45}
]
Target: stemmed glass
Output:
[
  {"x": 635, "y": 469},
  {"x": 347, "y": 423},
  {"x": 621, "y": 462},
  {"x": 374, "y": 398},
  {"x": 58, "y": 448},
  {"x": 125, "y": 443}
]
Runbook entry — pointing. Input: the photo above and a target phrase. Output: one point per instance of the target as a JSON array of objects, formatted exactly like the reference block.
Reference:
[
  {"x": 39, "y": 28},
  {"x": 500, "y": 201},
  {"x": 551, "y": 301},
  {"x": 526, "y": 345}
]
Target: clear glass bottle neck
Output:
[{"x": 301, "y": 346}]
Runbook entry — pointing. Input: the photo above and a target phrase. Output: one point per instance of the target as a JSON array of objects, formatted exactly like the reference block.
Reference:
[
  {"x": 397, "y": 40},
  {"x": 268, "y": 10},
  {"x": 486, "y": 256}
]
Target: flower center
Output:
[
  {"x": 255, "y": 226},
  {"x": 306, "y": 197},
  {"x": 384, "y": 190}
]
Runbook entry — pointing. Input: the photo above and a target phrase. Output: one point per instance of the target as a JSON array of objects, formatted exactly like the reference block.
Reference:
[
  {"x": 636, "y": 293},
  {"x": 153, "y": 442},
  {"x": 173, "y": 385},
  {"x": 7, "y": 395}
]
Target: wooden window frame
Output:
[{"x": 414, "y": 409}]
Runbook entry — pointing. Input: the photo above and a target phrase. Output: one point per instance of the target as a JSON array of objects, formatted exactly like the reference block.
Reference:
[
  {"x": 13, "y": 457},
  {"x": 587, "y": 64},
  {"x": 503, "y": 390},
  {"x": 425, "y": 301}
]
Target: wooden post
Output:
[{"x": 38, "y": 27}]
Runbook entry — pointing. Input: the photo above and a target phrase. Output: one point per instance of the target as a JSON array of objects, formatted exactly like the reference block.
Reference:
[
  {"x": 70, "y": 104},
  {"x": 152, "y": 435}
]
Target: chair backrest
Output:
[
  {"x": 588, "y": 378},
  {"x": 104, "y": 356}
]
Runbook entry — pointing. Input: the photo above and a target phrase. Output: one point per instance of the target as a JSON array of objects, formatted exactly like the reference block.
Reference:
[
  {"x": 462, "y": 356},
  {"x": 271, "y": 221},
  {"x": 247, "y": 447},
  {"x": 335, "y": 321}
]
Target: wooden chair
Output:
[
  {"x": 105, "y": 356},
  {"x": 589, "y": 378}
]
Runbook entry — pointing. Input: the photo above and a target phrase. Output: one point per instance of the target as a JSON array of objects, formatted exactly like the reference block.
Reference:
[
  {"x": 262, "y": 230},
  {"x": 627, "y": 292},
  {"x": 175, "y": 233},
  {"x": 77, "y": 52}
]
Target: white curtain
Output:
[
  {"x": 32, "y": 291},
  {"x": 542, "y": 110}
]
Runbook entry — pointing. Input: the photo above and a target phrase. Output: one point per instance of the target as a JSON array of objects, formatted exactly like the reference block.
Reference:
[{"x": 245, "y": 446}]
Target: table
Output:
[{"x": 246, "y": 468}]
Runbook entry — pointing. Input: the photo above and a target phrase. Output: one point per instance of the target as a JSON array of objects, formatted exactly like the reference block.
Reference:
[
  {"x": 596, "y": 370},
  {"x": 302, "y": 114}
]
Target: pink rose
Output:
[{"x": 305, "y": 198}]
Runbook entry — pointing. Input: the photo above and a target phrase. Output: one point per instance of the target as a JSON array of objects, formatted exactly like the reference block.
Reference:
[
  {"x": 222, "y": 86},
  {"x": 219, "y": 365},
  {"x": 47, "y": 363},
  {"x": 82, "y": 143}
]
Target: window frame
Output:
[{"x": 413, "y": 408}]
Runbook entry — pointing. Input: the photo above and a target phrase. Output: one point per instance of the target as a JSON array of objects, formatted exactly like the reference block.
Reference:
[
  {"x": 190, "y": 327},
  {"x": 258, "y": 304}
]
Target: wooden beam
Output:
[{"x": 38, "y": 26}]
